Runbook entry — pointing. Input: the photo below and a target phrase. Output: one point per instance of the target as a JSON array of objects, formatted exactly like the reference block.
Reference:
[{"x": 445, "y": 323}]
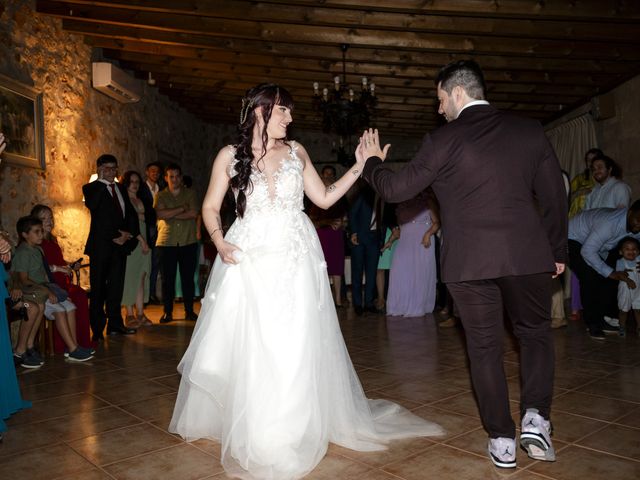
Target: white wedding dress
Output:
[{"x": 267, "y": 373}]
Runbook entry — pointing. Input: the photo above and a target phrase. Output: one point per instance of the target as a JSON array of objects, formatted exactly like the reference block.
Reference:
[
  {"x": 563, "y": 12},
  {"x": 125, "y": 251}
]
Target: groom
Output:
[{"x": 504, "y": 224}]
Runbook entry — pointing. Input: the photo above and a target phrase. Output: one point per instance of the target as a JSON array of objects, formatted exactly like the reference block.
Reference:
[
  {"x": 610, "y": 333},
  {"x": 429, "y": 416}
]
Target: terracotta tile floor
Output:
[{"x": 107, "y": 419}]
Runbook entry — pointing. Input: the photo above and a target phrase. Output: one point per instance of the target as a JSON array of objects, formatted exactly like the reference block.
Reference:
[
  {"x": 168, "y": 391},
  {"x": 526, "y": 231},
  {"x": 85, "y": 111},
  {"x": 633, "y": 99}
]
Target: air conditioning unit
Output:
[{"x": 114, "y": 82}]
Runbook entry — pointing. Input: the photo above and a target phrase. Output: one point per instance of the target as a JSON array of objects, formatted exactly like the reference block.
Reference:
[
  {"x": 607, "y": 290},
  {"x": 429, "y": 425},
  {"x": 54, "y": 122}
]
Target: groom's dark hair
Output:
[{"x": 462, "y": 73}]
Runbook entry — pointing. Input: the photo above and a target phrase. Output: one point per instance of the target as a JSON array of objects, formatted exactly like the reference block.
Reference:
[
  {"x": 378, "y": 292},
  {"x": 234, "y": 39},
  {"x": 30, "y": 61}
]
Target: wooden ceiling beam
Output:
[
  {"x": 283, "y": 54},
  {"x": 401, "y": 86},
  {"x": 315, "y": 72},
  {"x": 540, "y": 58},
  {"x": 324, "y": 15},
  {"x": 612, "y": 10},
  {"x": 229, "y": 99},
  {"x": 201, "y": 27}
]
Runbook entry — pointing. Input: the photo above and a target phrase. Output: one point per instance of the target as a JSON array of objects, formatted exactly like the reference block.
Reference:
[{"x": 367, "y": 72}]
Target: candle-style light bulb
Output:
[
  {"x": 336, "y": 81},
  {"x": 364, "y": 83},
  {"x": 351, "y": 94},
  {"x": 325, "y": 94},
  {"x": 315, "y": 88},
  {"x": 373, "y": 89}
]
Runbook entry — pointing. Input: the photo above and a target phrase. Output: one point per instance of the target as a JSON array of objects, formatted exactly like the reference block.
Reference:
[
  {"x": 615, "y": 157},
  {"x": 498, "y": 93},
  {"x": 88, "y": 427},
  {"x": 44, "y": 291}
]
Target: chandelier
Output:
[{"x": 343, "y": 111}]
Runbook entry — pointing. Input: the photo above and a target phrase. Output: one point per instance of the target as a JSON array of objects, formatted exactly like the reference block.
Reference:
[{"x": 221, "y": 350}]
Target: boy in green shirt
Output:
[{"x": 28, "y": 269}]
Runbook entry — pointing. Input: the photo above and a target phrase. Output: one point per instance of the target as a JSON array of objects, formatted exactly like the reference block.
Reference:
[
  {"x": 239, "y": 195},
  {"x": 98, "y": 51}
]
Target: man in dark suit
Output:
[
  {"x": 363, "y": 228},
  {"x": 114, "y": 227},
  {"x": 504, "y": 227},
  {"x": 148, "y": 192}
]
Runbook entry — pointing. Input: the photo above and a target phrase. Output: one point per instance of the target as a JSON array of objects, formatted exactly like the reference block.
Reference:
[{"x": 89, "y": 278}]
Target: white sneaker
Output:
[
  {"x": 614, "y": 322},
  {"x": 502, "y": 452},
  {"x": 535, "y": 436}
]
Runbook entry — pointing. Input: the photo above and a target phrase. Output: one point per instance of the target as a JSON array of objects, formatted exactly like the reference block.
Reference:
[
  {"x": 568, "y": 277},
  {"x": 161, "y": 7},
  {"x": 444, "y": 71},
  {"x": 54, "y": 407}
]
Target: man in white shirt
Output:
[
  {"x": 148, "y": 193},
  {"x": 608, "y": 192}
]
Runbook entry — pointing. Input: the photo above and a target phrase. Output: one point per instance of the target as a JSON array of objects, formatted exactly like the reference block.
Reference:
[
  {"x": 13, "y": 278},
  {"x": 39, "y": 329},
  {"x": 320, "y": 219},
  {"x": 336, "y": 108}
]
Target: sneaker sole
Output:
[
  {"x": 537, "y": 447},
  {"x": 71, "y": 359},
  {"x": 499, "y": 463},
  {"x": 31, "y": 366},
  {"x": 93, "y": 352}
]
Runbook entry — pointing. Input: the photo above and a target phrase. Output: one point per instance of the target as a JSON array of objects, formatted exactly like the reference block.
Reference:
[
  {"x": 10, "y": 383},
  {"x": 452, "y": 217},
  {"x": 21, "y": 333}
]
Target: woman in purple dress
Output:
[
  {"x": 412, "y": 279},
  {"x": 330, "y": 225}
]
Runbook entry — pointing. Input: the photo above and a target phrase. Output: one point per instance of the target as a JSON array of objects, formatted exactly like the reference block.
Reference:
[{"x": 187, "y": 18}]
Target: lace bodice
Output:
[{"x": 281, "y": 191}]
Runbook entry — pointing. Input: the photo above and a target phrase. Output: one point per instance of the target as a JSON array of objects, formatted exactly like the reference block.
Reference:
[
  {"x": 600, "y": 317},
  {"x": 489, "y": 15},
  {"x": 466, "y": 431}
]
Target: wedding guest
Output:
[
  {"x": 177, "y": 210},
  {"x": 390, "y": 232},
  {"x": 412, "y": 279},
  {"x": 113, "y": 223},
  {"x": 364, "y": 249},
  {"x": 629, "y": 288},
  {"x": 330, "y": 224},
  {"x": 608, "y": 191},
  {"x": 136, "y": 285},
  {"x": 10, "y": 399},
  {"x": 581, "y": 186},
  {"x": 187, "y": 182},
  {"x": 147, "y": 193},
  {"x": 62, "y": 272},
  {"x": 592, "y": 235},
  {"x": 31, "y": 269}
]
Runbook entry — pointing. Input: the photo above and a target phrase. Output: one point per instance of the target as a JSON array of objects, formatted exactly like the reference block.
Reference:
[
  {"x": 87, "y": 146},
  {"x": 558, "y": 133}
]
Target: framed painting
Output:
[{"x": 22, "y": 122}]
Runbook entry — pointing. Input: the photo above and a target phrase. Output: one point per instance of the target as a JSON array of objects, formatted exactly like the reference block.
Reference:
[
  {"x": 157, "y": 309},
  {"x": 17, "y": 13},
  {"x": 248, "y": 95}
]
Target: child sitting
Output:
[
  {"x": 628, "y": 291},
  {"x": 32, "y": 302},
  {"x": 28, "y": 266}
]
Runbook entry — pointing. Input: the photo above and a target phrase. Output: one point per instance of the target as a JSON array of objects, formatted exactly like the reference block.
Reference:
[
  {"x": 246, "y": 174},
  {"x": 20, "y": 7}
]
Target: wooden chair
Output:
[
  {"x": 45, "y": 337},
  {"x": 45, "y": 332}
]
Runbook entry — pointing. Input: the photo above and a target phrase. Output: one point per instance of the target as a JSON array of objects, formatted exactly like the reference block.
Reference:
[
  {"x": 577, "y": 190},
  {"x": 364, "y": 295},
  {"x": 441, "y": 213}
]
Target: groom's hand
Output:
[{"x": 370, "y": 145}]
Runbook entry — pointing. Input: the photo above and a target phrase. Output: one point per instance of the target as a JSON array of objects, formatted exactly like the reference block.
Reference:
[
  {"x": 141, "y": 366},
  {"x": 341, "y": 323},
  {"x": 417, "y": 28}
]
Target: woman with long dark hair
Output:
[
  {"x": 136, "y": 284},
  {"x": 267, "y": 373}
]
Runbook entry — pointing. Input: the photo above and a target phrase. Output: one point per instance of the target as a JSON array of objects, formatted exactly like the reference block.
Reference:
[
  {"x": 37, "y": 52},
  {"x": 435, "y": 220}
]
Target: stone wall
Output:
[{"x": 81, "y": 123}]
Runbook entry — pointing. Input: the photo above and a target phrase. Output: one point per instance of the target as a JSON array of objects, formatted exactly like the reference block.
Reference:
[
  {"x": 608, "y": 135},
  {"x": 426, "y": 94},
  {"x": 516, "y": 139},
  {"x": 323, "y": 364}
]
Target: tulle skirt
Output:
[{"x": 267, "y": 373}]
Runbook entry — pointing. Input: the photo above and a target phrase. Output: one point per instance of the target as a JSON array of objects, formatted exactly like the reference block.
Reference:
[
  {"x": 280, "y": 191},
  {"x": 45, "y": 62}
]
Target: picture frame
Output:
[{"x": 22, "y": 122}]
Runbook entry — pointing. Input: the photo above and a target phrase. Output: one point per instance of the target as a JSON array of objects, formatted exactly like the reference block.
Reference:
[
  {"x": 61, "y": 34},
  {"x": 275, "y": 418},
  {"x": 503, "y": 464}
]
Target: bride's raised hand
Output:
[
  {"x": 229, "y": 253},
  {"x": 371, "y": 145}
]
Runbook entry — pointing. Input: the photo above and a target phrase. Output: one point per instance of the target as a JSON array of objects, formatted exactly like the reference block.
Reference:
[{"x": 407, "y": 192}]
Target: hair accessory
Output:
[{"x": 244, "y": 111}]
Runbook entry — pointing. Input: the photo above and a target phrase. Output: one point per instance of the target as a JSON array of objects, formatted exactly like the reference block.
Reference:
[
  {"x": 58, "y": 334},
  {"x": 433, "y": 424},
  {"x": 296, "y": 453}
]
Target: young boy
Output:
[
  {"x": 628, "y": 291},
  {"x": 29, "y": 268}
]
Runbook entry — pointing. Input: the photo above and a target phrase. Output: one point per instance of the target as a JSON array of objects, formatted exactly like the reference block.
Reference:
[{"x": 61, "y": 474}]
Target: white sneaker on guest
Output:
[
  {"x": 614, "y": 322},
  {"x": 502, "y": 452},
  {"x": 535, "y": 436}
]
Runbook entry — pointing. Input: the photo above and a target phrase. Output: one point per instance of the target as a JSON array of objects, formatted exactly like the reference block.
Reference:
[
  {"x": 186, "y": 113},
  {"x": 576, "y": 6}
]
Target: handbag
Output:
[{"x": 60, "y": 293}]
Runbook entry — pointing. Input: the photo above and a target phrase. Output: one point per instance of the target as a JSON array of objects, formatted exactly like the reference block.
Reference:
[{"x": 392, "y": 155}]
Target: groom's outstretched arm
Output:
[{"x": 397, "y": 186}]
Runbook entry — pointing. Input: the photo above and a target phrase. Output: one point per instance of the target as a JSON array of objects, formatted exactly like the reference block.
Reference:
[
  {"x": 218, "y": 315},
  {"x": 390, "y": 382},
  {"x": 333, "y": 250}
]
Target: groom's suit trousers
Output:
[{"x": 526, "y": 302}]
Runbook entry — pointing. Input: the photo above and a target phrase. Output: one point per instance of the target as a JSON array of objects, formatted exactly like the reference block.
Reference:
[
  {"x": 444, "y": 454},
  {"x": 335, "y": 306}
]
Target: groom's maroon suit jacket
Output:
[{"x": 502, "y": 198}]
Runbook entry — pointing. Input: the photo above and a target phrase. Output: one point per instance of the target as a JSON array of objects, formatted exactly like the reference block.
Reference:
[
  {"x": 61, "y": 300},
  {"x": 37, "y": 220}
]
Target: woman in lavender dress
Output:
[{"x": 412, "y": 280}]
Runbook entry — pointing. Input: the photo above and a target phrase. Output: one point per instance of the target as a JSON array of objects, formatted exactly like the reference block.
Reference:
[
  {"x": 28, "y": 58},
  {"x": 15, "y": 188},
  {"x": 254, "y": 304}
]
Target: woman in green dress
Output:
[{"x": 136, "y": 286}]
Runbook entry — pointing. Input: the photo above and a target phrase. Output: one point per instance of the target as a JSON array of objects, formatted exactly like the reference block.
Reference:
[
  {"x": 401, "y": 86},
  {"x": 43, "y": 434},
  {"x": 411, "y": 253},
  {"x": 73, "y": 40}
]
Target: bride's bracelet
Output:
[{"x": 214, "y": 231}]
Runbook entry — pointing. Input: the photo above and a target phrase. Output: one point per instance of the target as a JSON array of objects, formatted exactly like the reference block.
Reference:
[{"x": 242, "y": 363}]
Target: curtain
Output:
[{"x": 571, "y": 140}]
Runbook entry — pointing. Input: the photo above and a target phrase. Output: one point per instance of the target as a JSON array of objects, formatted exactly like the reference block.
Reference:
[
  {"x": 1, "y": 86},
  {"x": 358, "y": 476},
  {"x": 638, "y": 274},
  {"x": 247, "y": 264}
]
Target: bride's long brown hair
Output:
[{"x": 265, "y": 95}]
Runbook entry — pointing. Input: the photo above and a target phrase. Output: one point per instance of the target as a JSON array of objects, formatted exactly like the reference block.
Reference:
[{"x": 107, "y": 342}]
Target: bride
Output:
[{"x": 267, "y": 373}]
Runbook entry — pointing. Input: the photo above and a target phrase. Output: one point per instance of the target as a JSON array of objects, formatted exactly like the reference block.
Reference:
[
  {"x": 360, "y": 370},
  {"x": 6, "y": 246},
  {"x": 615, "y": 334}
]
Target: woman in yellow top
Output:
[{"x": 581, "y": 186}]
